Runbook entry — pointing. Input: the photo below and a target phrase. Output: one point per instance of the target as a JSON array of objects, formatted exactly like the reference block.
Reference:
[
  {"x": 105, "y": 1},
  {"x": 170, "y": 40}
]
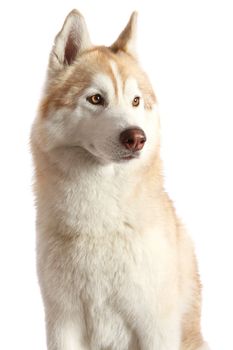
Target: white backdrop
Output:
[{"x": 186, "y": 47}]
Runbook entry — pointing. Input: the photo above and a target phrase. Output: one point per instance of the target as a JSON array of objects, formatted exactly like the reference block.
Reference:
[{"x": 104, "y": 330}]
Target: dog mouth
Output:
[
  {"x": 129, "y": 157},
  {"x": 132, "y": 156},
  {"x": 120, "y": 157}
]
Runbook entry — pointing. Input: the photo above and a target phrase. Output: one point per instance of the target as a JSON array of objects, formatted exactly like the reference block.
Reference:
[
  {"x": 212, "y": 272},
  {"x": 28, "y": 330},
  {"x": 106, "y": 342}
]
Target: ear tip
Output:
[
  {"x": 134, "y": 16},
  {"x": 74, "y": 13}
]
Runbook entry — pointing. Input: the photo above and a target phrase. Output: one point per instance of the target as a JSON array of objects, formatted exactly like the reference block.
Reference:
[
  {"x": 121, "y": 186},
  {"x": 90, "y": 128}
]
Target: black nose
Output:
[{"x": 133, "y": 139}]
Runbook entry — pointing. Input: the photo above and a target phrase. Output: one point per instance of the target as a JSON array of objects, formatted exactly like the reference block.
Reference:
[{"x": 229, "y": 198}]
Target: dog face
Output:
[{"x": 98, "y": 98}]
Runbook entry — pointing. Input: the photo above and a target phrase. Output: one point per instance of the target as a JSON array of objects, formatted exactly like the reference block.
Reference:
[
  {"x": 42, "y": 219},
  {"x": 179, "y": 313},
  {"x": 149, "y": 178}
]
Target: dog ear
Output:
[
  {"x": 127, "y": 39},
  {"x": 72, "y": 40}
]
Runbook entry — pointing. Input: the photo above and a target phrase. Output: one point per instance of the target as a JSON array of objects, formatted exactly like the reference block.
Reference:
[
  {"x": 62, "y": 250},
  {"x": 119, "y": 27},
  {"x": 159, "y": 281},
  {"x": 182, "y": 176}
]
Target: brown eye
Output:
[
  {"x": 96, "y": 99},
  {"x": 136, "y": 101}
]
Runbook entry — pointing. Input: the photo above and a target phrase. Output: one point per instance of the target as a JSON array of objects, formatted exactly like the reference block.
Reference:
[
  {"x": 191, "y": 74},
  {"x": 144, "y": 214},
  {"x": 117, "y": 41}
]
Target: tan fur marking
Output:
[
  {"x": 128, "y": 67},
  {"x": 64, "y": 89},
  {"x": 112, "y": 225}
]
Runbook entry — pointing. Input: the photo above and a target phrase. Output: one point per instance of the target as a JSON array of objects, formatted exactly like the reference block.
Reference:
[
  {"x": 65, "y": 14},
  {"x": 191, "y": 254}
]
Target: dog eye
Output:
[
  {"x": 96, "y": 99},
  {"x": 136, "y": 101}
]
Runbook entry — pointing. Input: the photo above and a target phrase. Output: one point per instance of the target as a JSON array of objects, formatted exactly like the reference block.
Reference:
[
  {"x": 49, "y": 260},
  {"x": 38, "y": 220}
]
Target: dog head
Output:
[{"x": 97, "y": 98}]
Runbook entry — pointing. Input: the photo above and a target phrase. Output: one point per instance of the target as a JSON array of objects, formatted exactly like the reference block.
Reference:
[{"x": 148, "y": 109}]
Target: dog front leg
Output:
[
  {"x": 168, "y": 334},
  {"x": 163, "y": 335},
  {"x": 64, "y": 334}
]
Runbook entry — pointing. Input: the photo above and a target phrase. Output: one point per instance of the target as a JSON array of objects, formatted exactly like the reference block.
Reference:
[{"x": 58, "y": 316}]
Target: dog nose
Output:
[{"x": 133, "y": 139}]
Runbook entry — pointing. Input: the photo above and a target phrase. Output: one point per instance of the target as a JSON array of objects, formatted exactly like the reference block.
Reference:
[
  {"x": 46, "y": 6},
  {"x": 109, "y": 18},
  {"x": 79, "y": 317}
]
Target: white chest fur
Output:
[{"x": 99, "y": 263}]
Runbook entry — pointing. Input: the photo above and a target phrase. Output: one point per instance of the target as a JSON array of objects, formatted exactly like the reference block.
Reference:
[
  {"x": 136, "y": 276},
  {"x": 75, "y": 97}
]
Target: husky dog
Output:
[{"x": 116, "y": 268}]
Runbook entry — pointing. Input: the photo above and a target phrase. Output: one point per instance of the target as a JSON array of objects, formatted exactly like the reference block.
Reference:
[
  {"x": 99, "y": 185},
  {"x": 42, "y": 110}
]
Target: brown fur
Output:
[
  {"x": 65, "y": 88},
  {"x": 62, "y": 90}
]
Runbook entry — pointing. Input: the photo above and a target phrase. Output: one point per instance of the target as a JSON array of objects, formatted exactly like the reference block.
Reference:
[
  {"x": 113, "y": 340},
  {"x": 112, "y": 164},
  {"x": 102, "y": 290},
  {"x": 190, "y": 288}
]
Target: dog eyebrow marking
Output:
[
  {"x": 131, "y": 87},
  {"x": 104, "y": 83}
]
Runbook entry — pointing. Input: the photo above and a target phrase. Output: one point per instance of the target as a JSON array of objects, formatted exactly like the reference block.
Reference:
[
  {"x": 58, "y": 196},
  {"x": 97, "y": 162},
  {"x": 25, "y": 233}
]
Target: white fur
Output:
[
  {"x": 109, "y": 262},
  {"x": 133, "y": 296},
  {"x": 98, "y": 127}
]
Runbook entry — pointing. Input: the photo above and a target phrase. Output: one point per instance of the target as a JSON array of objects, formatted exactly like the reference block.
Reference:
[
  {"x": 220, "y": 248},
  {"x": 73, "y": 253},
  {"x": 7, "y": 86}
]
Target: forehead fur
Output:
[{"x": 63, "y": 90}]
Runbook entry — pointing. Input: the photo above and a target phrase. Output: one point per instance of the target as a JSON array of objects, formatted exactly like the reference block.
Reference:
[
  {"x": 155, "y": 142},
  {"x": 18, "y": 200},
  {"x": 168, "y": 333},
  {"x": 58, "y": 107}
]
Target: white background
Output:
[{"x": 186, "y": 47}]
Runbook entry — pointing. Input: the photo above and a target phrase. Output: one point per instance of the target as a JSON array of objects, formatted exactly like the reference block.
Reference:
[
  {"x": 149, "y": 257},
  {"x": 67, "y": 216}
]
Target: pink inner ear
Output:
[{"x": 71, "y": 50}]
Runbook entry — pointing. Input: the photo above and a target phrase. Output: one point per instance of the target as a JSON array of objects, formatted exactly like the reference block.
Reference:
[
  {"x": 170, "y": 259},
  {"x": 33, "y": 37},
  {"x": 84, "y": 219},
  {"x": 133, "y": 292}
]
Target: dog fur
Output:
[{"x": 116, "y": 268}]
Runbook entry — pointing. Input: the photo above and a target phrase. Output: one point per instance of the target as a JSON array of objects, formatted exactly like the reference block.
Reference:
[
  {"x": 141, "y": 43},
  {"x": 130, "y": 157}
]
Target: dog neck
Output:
[{"x": 78, "y": 193}]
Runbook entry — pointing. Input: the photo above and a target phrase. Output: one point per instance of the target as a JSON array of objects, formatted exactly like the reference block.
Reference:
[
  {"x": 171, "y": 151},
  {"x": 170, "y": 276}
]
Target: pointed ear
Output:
[
  {"x": 72, "y": 40},
  {"x": 127, "y": 39}
]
